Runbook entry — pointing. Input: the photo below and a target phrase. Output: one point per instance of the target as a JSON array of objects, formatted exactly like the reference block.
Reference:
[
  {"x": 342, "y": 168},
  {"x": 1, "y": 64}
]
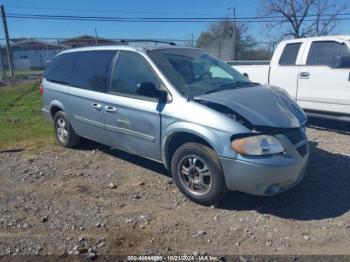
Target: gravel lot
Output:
[{"x": 94, "y": 200}]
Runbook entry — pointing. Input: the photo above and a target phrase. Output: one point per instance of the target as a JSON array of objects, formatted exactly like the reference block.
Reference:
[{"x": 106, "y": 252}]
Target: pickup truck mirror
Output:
[{"x": 343, "y": 62}]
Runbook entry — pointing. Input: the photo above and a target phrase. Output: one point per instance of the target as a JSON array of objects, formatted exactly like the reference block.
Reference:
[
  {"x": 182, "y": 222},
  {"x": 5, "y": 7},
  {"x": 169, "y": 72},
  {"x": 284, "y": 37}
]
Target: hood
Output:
[{"x": 260, "y": 105}]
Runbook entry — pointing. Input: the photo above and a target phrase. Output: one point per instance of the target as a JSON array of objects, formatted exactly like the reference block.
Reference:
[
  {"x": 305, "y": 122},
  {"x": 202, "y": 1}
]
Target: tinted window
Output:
[
  {"x": 131, "y": 69},
  {"x": 60, "y": 69},
  {"x": 91, "y": 70},
  {"x": 290, "y": 54},
  {"x": 326, "y": 53}
]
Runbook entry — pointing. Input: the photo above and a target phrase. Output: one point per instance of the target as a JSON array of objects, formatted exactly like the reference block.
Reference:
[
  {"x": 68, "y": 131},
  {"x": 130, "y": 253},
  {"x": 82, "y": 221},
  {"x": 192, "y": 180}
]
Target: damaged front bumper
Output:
[{"x": 267, "y": 175}]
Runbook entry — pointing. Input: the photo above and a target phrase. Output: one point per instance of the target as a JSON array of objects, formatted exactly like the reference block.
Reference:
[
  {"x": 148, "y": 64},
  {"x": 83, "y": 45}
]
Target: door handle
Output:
[
  {"x": 96, "y": 106},
  {"x": 111, "y": 109},
  {"x": 304, "y": 75}
]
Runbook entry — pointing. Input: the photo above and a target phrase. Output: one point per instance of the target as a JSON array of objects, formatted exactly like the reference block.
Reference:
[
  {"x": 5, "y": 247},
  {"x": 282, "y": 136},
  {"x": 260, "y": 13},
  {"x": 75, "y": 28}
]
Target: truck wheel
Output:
[
  {"x": 197, "y": 172},
  {"x": 65, "y": 134}
]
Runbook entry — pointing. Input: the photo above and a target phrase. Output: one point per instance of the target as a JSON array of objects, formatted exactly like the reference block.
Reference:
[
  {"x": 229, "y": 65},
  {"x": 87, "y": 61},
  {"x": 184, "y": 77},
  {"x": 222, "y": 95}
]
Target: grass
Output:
[{"x": 21, "y": 122}]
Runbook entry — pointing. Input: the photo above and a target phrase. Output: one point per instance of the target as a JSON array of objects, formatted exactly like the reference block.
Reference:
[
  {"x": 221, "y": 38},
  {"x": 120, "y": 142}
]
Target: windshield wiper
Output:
[{"x": 231, "y": 86}]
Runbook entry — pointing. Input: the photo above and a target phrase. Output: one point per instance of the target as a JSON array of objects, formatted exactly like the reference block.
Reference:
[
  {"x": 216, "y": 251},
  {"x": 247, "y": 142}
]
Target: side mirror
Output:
[
  {"x": 343, "y": 62},
  {"x": 148, "y": 89},
  {"x": 246, "y": 75}
]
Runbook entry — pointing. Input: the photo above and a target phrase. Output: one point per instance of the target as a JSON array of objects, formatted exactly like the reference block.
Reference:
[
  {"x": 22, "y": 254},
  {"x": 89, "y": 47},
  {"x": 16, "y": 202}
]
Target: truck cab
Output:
[{"x": 314, "y": 71}]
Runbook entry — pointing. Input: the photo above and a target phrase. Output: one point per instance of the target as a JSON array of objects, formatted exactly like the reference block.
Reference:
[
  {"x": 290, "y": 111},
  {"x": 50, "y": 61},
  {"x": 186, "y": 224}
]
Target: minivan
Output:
[{"x": 209, "y": 125}]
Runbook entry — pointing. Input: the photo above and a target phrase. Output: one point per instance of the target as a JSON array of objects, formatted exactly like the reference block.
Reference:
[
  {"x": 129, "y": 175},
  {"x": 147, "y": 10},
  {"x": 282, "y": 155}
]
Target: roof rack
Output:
[{"x": 146, "y": 40}]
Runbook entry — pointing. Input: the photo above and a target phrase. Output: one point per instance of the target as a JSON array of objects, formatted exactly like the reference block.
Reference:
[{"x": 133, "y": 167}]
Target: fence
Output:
[{"x": 32, "y": 55}]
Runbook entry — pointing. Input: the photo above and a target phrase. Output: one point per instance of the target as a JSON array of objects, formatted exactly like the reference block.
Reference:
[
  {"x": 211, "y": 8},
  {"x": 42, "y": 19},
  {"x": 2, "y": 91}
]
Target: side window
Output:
[
  {"x": 290, "y": 54},
  {"x": 131, "y": 69},
  {"x": 91, "y": 70},
  {"x": 60, "y": 69},
  {"x": 326, "y": 53}
]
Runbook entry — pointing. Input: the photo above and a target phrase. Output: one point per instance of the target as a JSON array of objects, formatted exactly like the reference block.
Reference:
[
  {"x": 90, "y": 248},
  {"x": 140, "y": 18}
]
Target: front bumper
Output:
[{"x": 265, "y": 176}]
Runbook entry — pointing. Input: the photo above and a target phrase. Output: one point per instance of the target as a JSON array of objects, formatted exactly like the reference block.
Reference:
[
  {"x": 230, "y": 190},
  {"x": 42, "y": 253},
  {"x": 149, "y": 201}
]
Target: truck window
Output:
[
  {"x": 60, "y": 69},
  {"x": 91, "y": 70},
  {"x": 290, "y": 54},
  {"x": 326, "y": 53}
]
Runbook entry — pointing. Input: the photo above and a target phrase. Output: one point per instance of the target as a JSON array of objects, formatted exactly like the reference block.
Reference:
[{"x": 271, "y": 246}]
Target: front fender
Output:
[{"x": 218, "y": 140}]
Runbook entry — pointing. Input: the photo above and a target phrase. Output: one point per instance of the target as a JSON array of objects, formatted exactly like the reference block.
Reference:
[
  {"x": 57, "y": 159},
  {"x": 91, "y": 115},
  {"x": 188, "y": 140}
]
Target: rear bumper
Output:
[
  {"x": 265, "y": 176},
  {"x": 46, "y": 113}
]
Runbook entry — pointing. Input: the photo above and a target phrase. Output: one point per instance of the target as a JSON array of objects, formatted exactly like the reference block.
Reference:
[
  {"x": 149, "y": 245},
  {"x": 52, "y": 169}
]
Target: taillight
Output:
[{"x": 41, "y": 90}]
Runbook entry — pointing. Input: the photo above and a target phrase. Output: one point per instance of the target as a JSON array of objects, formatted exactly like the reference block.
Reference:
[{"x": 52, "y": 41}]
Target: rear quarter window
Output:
[{"x": 60, "y": 69}]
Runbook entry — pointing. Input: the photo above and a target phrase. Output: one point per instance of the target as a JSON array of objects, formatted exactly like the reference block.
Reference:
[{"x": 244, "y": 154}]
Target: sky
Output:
[{"x": 130, "y": 8}]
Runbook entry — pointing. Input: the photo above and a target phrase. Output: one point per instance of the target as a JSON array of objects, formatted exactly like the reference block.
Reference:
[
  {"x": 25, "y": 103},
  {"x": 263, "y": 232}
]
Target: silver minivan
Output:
[{"x": 210, "y": 126}]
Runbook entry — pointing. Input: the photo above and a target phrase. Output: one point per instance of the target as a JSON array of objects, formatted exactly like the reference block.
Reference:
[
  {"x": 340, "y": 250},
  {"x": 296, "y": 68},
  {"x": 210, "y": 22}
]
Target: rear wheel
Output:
[
  {"x": 65, "y": 134},
  {"x": 198, "y": 173}
]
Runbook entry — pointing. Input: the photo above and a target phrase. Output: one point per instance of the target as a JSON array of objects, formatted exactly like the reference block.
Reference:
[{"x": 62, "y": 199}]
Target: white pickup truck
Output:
[{"x": 314, "y": 71}]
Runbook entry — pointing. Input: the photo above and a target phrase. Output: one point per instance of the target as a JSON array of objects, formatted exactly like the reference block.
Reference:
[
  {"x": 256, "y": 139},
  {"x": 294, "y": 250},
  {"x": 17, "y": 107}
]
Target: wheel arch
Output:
[{"x": 181, "y": 135}]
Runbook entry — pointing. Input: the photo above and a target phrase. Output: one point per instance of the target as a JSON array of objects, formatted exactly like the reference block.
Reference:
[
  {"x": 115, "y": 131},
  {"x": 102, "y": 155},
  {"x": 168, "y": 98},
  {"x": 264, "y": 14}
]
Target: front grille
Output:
[
  {"x": 295, "y": 135},
  {"x": 302, "y": 150}
]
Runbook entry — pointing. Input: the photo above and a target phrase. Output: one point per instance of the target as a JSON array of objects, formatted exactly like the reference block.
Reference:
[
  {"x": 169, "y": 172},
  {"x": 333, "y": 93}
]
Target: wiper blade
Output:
[{"x": 232, "y": 85}]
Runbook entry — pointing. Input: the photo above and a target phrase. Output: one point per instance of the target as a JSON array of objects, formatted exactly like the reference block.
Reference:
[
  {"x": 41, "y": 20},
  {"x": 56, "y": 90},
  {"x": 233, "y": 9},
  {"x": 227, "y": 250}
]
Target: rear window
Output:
[
  {"x": 91, "y": 70},
  {"x": 290, "y": 54},
  {"x": 60, "y": 69}
]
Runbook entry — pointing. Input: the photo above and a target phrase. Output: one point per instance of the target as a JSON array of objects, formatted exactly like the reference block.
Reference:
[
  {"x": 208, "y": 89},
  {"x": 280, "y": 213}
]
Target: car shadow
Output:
[
  {"x": 323, "y": 193},
  {"x": 154, "y": 166}
]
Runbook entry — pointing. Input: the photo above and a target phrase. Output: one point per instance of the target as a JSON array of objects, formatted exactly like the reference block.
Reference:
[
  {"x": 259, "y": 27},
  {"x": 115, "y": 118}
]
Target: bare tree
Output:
[
  {"x": 305, "y": 17},
  {"x": 219, "y": 37}
]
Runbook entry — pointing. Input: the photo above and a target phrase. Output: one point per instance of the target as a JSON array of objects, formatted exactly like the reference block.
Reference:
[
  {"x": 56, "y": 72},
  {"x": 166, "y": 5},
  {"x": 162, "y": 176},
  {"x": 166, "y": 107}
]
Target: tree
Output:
[
  {"x": 304, "y": 17},
  {"x": 218, "y": 39}
]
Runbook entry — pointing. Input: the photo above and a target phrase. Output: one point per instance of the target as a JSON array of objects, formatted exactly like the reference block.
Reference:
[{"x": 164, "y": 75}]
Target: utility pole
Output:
[
  {"x": 234, "y": 34},
  {"x": 8, "y": 47},
  {"x": 96, "y": 39}
]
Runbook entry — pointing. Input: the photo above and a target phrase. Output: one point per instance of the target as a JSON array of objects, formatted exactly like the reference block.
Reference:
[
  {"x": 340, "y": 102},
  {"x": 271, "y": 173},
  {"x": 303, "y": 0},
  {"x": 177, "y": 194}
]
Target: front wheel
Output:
[{"x": 198, "y": 173}]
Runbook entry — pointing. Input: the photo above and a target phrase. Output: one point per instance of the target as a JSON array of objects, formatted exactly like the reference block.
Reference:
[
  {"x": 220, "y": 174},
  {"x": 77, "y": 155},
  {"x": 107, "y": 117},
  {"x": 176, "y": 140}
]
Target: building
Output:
[
  {"x": 31, "y": 54},
  {"x": 86, "y": 40},
  {"x": 34, "y": 54}
]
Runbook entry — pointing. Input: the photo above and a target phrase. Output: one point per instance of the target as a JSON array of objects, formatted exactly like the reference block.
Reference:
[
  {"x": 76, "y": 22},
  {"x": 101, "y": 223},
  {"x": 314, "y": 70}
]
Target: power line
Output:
[
  {"x": 154, "y": 19},
  {"x": 162, "y": 13}
]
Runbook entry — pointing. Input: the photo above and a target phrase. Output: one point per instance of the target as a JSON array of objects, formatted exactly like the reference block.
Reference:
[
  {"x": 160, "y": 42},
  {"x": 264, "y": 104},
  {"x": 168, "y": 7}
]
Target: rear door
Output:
[
  {"x": 322, "y": 87},
  {"x": 133, "y": 121},
  {"x": 284, "y": 72},
  {"x": 87, "y": 95}
]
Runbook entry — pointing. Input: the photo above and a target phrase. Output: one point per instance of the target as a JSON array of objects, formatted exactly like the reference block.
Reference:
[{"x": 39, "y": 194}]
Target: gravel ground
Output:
[{"x": 94, "y": 200}]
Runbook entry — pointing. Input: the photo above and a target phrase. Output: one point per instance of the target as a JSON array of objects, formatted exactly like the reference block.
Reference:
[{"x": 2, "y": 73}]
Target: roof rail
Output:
[{"x": 146, "y": 40}]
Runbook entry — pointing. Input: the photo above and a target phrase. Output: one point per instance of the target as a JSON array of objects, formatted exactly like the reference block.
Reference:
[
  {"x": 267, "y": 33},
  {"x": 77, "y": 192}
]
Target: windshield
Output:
[{"x": 194, "y": 72}]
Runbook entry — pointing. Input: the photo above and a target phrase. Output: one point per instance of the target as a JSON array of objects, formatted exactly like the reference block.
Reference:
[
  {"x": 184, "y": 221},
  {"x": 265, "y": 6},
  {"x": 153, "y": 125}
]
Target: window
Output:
[
  {"x": 290, "y": 54},
  {"x": 91, "y": 70},
  {"x": 131, "y": 69},
  {"x": 194, "y": 72},
  {"x": 60, "y": 69},
  {"x": 326, "y": 53}
]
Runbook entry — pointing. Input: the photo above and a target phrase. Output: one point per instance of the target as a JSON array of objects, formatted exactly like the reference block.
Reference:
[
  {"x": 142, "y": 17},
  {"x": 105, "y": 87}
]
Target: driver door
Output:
[{"x": 322, "y": 86}]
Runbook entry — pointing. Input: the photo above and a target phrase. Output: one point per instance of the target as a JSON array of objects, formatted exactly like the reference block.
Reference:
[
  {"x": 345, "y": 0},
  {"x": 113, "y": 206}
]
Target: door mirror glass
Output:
[
  {"x": 148, "y": 89},
  {"x": 343, "y": 62}
]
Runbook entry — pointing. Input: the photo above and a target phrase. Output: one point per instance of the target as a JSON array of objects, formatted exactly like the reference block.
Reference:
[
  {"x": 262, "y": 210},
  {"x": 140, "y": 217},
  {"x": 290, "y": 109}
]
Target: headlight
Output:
[{"x": 257, "y": 145}]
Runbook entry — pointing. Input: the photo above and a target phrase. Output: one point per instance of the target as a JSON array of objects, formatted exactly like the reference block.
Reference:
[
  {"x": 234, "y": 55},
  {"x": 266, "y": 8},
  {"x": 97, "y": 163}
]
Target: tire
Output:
[
  {"x": 206, "y": 188},
  {"x": 65, "y": 134}
]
